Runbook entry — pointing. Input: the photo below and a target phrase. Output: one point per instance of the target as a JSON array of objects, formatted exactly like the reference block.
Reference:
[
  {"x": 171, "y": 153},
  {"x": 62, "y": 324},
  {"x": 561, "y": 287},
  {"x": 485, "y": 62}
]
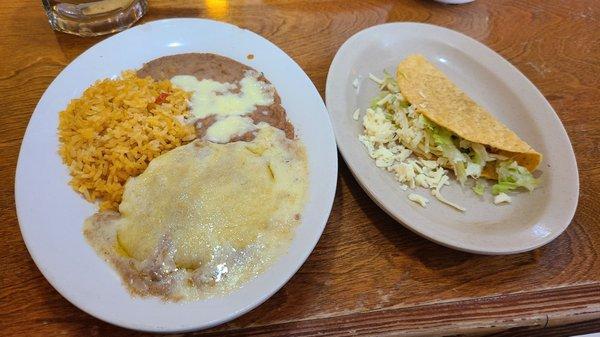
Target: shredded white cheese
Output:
[
  {"x": 392, "y": 132},
  {"x": 375, "y": 79},
  {"x": 384, "y": 142},
  {"x": 356, "y": 114},
  {"x": 502, "y": 198},
  {"x": 421, "y": 200},
  {"x": 441, "y": 198}
]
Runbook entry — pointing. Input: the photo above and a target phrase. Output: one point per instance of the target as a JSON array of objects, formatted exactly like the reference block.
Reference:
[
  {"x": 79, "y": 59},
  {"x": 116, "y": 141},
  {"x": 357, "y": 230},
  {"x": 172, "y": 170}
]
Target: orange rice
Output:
[{"x": 115, "y": 129}]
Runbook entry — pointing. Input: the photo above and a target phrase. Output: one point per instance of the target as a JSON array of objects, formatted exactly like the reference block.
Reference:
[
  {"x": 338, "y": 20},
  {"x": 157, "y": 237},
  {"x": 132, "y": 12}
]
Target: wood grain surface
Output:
[{"x": 368, "y": 274}]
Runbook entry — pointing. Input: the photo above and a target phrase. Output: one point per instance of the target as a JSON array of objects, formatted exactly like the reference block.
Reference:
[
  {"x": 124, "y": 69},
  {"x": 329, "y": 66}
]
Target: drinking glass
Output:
[{"x": 93, "y": 17}]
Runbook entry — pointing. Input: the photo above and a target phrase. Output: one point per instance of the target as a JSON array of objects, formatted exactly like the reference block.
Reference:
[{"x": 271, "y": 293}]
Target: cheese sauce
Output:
[
  {"x": 223, "y": 130},
  {"x": 210, "y": 97},
  {"x": 205, "y": 218}
]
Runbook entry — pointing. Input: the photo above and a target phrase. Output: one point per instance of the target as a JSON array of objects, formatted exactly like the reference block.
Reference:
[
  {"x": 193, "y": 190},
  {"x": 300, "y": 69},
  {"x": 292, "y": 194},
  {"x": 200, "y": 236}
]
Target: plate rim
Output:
[
  {"x": 329, "y": 87},
  {"x": 249, "y": 305}
]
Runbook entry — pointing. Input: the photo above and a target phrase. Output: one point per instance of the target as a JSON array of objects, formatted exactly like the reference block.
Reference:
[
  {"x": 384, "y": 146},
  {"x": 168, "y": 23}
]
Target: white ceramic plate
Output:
[
  {"x": 51, "y": 215},
  {"x": 533, "y": 219}
]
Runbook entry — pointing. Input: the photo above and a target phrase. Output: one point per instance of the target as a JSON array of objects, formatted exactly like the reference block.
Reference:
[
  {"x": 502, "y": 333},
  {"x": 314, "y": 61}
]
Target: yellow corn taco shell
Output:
[{"x": 441, "y": 101}]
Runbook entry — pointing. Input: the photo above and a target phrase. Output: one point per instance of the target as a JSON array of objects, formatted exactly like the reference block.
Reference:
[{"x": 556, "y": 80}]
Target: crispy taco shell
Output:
[{"x": 441, "y": 101}]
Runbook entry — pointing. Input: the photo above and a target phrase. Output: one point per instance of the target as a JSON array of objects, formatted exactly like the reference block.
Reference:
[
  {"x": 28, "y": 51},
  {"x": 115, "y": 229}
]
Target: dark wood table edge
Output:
[{"x": 538, "y": 309}]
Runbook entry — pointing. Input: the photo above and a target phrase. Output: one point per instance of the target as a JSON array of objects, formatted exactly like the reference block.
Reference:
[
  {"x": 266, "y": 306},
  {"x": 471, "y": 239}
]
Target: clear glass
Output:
[{"x": 93, "y": 17}]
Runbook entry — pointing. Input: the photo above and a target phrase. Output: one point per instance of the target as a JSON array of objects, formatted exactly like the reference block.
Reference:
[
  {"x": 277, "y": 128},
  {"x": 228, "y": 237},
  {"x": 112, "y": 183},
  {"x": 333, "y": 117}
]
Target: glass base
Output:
[{"x": 75, "y": 19}]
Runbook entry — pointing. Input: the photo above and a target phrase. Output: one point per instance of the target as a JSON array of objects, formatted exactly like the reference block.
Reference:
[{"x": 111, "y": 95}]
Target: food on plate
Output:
[
  {"x": 205, "y": 217},
  {"x": 115, "y": 129},
  {"x": 419, "y": 199},
  {"x": 221, "y": 88},
  {"x": 501, "y": 197},
  {"x": 421, "y": 124},
  {"x": 200, "y": 178}
]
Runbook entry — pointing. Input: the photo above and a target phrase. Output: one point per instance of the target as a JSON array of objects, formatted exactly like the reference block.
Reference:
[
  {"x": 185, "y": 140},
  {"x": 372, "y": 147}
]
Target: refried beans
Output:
[{"x": 220, "y": 69}]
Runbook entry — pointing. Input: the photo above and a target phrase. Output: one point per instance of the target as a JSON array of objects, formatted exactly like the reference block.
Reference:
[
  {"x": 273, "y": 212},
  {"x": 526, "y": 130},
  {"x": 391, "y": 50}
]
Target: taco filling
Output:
[{"x": 415, "y": 114}]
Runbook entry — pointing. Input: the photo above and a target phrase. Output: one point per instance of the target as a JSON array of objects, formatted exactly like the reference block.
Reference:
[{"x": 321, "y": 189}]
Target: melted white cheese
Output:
[
  {"x": 215, "y": 98},
  {"x": 223, "y": 130},
  {"x": 204, "y": 218}
]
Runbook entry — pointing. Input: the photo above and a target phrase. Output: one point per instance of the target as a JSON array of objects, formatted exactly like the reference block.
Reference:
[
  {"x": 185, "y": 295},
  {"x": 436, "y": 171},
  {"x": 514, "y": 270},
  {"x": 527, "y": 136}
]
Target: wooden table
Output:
[{"x": 368, "y": 274}]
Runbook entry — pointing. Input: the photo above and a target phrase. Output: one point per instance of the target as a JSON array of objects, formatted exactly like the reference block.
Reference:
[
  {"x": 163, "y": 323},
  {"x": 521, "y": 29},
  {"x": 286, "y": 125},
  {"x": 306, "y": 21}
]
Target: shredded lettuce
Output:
[
  {"x": 443, "y": 139},
  {"x": 471, "y": 158},
  {"x": 375, "y": 79},
  {"x": 425, "y": 122},
  {"x": 512, "y": 176},
  {"x": 440, "y": 136},
  {"x": 473, "y": 170},
  {"x": 479, "y": 188},
  {"x": 479, "y": 154},
  {"x": 378, "y": 98},
  {"x": 460, "y": 171},
  {"x": 503, "y": 187},
  {"x": 389, "y": 82}
]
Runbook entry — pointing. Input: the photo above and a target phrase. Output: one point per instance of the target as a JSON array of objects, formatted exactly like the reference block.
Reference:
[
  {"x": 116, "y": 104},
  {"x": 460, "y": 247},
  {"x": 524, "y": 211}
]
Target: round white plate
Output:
[
  {"x": 533, "y": 219},
  {"x": 51, "y": 214}
]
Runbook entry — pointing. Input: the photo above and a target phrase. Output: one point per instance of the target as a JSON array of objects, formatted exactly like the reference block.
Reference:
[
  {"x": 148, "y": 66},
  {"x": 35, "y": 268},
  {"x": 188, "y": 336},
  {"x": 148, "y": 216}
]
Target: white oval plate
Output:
[
  {"x": 533, "y": 219},
  {"x": 51, "y": 214}
]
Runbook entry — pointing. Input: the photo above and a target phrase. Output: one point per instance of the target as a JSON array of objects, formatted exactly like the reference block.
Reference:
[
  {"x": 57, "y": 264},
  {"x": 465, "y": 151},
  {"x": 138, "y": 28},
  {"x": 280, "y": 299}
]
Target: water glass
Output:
[{"x": 93, "y": 17}]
